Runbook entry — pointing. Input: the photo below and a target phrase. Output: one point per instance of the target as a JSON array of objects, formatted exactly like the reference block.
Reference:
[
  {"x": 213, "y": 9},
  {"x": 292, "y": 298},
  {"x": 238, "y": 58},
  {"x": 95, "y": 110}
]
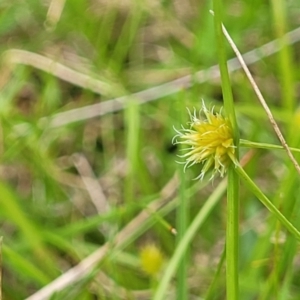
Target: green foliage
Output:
[{"x": 73, "y": 175}]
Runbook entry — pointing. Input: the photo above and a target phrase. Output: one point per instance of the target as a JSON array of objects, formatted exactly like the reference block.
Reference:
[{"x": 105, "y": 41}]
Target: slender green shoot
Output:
[
  {"x": 262, "y": 100},
  {"x": 182, "y": 218},
  {"x": 187, "y": 238},
  {"x": 265, "y": 201},
  {"x": 132, "y": 121},
  {"x": 285, "y": 64},
  {"x": 232, "y": 230},
  {"x": 212, "y": 288},
  {"x": 250, "y": 144},
  {"x": 1, "y": 242}
]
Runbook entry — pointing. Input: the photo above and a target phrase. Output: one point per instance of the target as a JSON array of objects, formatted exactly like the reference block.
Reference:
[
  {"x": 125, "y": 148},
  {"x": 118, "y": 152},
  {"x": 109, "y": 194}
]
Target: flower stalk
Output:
[
  {"x": 210, "y": 143},
  {"x": 232, "y": 229}
]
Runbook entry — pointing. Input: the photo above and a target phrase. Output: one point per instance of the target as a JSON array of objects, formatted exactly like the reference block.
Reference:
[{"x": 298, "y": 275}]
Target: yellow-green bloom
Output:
[
  {"x": 151, "y": 259},
  {"x": 210, "y": 142}
]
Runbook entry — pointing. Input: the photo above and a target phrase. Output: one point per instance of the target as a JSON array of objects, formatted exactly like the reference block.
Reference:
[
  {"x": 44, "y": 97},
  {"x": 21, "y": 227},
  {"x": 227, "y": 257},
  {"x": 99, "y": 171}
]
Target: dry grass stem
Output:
[
  {"x": 154, "y": 93},
  {"x": 58, "y": 70},
  {"x": 112, "y": 288},
  {"x": 261, "y": 99},
  {"x": 54, "y": 12},
  {"x": 86, "y": 265},
  {"x": 92, "y": 185},
  {"x": 87, "y": 82}
]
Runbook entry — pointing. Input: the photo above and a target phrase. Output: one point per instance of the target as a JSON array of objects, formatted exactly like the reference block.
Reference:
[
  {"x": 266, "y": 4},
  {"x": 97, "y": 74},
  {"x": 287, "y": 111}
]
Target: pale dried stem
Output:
[
  {"x": 165, "y": 89},
  {"x": 92, "y": 185},
  {"x": 93, "y": 188},
  {"x": 58, "y": 70},
  {"x": 261, "y": 99},
  {"x": 151, "y": 94},
  {"x": 88, "y": 264},
  {"x": 54, "y": 13},
  {"x": 112, "y": 288}
]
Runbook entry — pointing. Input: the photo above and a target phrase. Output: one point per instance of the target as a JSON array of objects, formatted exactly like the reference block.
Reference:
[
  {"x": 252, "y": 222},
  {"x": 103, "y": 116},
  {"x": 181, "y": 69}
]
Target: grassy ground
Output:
[{"x": 87, "y": 182}]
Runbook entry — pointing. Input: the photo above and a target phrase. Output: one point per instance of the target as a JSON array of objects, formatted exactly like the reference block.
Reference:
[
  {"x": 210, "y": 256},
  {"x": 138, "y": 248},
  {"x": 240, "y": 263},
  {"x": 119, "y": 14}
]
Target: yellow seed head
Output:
[
  {"x": 151, "y": 259},
  {"x": 210, "y": 142}
]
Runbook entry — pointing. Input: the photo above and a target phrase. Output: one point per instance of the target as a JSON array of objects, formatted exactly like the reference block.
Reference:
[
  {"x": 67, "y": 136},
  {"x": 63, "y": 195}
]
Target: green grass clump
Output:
[{"x": 91, "y": 92}]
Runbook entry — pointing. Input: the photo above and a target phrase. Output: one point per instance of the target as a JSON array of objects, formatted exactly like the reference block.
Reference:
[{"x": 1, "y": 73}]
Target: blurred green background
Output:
[{"x": 73, "y": 174}]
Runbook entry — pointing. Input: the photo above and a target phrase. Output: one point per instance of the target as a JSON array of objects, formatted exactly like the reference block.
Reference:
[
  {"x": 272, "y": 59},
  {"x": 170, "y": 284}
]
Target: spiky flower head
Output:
[
  {"x": 210, "y": 142},
  {"x": 151, "y": 259}
]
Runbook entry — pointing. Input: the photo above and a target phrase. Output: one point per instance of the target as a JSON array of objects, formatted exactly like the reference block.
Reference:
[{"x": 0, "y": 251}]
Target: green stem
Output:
[
  {"x": 182, "y": 214},
  {"x": 232, "y": 230},
  {"x": 187, "y": 238},
  {"x": 264, "y": 200},
  {"x": 285, "y": 61},
  {"x": 132, "y": 122},
  {"x": 245, "y": 143},
  {"x": 225, "y": 79},
  {"x": 232, "y": 235},
  {"x": 210, "y": 292}
]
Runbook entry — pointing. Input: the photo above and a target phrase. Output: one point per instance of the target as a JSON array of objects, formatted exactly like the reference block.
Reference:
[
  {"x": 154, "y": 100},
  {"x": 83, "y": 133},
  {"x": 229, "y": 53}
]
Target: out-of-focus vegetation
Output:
[{"x": 75, "y": 174}]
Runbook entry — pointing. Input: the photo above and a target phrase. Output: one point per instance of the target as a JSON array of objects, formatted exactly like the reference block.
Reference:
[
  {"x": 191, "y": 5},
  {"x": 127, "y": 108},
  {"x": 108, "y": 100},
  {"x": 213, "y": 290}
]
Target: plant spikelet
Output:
[
  {"x": 210, "y": 142},
  {"x": 151, "y": 259}
]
